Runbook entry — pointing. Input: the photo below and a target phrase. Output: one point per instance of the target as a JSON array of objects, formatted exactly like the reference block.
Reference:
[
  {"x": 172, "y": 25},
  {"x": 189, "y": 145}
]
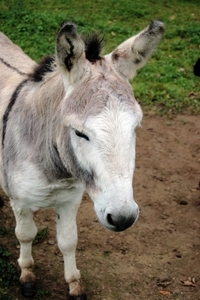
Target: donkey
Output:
[{"x": 68, "y": 126}]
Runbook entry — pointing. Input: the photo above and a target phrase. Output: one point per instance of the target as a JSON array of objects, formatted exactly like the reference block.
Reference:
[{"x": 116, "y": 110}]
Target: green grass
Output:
[
  {"x": 41, "y": 236},
  {"x": 9, "y": 276},
  {"x": 166, "y": 84}
]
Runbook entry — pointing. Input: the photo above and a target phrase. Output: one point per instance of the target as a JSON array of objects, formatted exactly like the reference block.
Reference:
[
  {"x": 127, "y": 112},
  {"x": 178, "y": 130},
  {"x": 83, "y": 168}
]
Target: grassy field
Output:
[{"x": 166, "y": 84}]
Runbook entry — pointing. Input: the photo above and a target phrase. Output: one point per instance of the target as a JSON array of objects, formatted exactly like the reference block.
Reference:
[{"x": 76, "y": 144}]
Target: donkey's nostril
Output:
[
  {"x": 119, "y": 222},
  {"x": 110, "y": 220}
]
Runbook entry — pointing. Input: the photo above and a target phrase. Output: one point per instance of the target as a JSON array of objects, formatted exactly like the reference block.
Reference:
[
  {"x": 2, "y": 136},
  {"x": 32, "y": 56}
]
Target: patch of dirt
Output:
[{"x": 158, "y": 257}]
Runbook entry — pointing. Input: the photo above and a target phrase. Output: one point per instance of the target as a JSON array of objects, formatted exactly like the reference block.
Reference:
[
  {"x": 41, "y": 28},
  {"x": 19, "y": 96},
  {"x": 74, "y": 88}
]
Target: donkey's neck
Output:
[{"x": 48, "y": 102}]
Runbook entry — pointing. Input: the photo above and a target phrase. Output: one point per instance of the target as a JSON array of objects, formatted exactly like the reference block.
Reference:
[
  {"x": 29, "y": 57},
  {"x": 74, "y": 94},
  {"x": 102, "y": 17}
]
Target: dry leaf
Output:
[
  {"x": 163, "y": 282},
  {"x": 50, "y": 242},
  {"x": 164, "y": 292},
  {"x": 193, "y": 190},
  {"x": 193, "y": 280},
  {"x": 189, "y": 282},
  {"x": 193, "y": 95}
]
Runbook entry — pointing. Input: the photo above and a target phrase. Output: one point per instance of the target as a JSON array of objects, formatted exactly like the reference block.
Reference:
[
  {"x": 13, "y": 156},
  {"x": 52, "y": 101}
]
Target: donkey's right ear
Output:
[{"x": 70, "y": 51}]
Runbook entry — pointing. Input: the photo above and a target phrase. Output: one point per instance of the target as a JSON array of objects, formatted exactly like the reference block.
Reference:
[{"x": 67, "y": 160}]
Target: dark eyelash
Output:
[{"x": 82, "y": 135}]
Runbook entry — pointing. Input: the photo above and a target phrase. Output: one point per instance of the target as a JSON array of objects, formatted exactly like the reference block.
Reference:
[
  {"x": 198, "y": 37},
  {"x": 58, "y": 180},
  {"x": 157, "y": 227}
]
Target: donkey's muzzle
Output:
[{"x": 119, "y": 222}]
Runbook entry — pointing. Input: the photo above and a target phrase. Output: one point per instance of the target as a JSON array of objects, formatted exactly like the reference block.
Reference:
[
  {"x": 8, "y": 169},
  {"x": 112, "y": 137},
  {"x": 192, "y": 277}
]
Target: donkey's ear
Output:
[
  {"x": 134, "y": 52},
  {"x": 70, "y": 51}
]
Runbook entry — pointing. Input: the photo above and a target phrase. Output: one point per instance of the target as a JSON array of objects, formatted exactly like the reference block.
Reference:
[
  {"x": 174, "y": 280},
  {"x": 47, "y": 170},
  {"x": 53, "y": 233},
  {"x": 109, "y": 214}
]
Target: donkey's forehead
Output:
[
  {"x": 93, "y": 94},
  {"x": 114, "y": 114}
]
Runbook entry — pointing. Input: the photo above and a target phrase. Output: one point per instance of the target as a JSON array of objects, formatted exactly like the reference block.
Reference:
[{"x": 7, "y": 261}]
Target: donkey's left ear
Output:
[
  {"x": 134, "y": 52},
  {"x": 70, "y": 51}
]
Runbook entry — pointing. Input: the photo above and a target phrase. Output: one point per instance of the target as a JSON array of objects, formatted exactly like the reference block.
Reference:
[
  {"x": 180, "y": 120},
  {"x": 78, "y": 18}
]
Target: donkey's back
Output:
[
  {"x": 13, "y": 57},
  {"x": 15, "y": 66}
]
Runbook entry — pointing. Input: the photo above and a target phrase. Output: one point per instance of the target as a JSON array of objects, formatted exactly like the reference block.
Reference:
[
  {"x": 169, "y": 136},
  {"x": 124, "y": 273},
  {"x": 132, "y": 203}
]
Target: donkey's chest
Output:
[
  {"x": 53, "y": 196},
  {"x": 33, "y": 190}
]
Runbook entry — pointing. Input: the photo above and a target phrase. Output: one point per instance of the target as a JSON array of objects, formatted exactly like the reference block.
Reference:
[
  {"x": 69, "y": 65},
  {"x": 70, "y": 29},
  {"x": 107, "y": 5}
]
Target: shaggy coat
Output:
[{"x": 68, "y": 125}]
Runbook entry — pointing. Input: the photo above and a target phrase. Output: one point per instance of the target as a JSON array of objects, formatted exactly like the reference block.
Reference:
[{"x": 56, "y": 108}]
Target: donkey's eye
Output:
[{"x": 82, "y": 135}]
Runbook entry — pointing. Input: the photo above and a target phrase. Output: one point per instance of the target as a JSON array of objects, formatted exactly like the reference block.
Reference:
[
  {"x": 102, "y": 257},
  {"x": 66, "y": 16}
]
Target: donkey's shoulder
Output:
[{"x": 13, "y": 56}]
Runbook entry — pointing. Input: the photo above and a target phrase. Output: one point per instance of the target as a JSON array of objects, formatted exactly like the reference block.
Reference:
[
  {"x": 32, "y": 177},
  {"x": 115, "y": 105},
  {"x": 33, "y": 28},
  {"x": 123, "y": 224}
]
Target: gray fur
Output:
[
  {"x": 36, "y": 119},
  {"x": 44, "y": 162}
]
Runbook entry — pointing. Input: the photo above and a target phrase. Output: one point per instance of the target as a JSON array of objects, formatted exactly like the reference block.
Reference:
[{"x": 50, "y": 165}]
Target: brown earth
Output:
[{"x": 159, "y": 257}]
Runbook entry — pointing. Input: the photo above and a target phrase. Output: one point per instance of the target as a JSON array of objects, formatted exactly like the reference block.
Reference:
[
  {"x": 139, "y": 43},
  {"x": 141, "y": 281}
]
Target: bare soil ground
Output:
[{"x": 159, "y": 257}]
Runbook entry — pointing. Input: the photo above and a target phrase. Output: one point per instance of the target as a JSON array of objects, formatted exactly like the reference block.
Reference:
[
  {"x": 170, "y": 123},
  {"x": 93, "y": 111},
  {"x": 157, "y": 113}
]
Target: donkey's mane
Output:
[
  {"x": 46, "y": 65},
  {"x": 93, "y": 47}
]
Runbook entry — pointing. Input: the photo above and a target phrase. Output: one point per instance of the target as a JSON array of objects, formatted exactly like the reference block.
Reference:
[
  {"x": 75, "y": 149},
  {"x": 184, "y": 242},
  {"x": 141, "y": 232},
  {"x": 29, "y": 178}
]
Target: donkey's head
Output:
[{"x": 100, "y": 115}]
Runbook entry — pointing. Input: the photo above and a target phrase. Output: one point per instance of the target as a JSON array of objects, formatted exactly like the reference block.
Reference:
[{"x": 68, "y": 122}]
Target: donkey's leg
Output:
[
  {"x": 67, "y": 241},
  {"x": 25, "y": 231}
]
